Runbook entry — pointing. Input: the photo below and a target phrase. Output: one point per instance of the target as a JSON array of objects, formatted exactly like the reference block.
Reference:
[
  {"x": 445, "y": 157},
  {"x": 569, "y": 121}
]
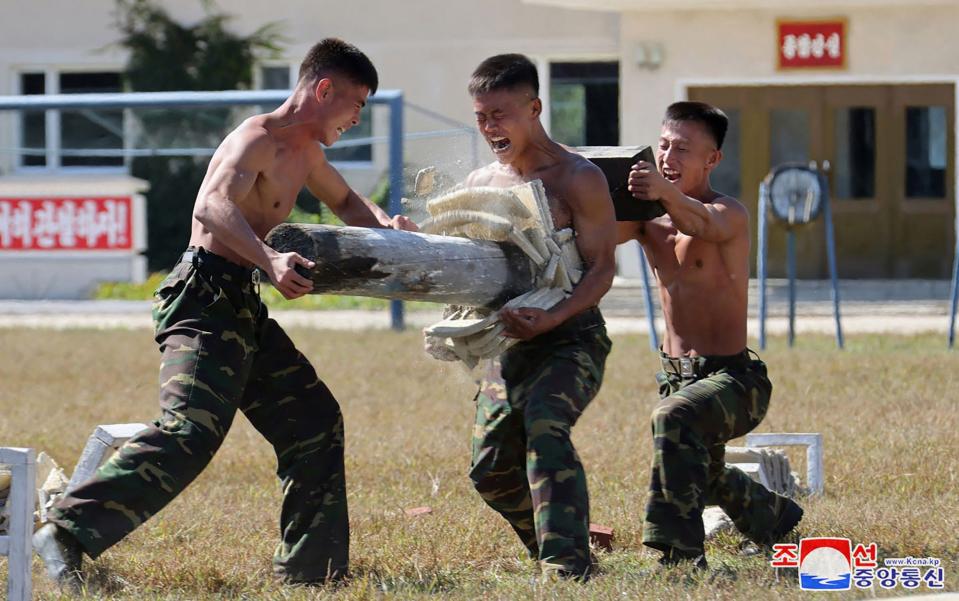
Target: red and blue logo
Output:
[{"x": 825, "y": 564}]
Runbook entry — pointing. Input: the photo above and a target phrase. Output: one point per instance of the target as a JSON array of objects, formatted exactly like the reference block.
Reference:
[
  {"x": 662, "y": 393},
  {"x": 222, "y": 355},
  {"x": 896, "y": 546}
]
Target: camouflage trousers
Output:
[
  {"x": 698, "y": 413},
  {"x": 524, "y": 465},
  {"x": 221, "y": 352}
]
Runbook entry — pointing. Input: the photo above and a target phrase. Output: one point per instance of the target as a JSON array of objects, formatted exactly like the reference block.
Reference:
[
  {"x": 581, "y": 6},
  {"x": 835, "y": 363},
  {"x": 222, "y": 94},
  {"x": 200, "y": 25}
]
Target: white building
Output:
[
  {"x": 876, "y": 100},
  {"x": 880, "y": 113}
]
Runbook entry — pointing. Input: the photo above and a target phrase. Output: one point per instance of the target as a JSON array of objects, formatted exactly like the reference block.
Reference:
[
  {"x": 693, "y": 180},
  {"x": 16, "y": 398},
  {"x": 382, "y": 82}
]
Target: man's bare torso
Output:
[
  {"x": 273, "y": 195},
  {"x": 557, "y": 177},
  {"x": 703, "y": 289}
]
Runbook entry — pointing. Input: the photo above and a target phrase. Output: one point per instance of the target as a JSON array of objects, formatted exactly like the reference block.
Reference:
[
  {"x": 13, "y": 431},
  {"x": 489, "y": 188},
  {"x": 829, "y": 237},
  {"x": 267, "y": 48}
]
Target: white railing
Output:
[{"x": 16, "y": 544}]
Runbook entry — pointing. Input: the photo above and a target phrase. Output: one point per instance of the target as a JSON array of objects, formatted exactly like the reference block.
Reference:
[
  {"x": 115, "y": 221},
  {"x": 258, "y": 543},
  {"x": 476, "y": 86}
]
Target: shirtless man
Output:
[
  {"x": 711, "y": 388},
  {"x": 524, "y": 465},
  {"x": 220, "y": 350}
]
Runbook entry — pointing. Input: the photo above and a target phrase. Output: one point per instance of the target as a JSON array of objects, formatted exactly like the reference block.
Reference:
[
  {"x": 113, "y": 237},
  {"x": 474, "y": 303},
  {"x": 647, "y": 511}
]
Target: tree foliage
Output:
[{"x": 165, "y": 55}]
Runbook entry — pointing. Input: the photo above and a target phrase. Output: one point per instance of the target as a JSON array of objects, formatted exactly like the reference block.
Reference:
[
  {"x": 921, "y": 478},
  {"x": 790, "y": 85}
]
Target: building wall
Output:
[
  {"x": 883, "y": 43},
  {"x": 427, "y": 48},
  {"x": 896, "y": 45}
]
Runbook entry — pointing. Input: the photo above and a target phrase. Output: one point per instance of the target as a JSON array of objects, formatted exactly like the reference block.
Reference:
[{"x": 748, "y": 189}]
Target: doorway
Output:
[{"x": 888, "y": 155}]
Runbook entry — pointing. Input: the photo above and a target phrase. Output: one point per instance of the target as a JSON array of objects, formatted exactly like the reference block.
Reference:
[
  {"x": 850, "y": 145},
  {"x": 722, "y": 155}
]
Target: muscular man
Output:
[
  {"x": 712, "y": 389},
  {"x": 524, "y": 465},
  {"x": 220, "y": 350}
]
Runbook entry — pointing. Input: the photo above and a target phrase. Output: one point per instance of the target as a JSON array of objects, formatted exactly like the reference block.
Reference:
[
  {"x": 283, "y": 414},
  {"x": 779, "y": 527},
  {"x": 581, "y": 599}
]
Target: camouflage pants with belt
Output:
[
  {"x": 221, "y": 352},
  {"x": 691, "y": 424},
  {"x": 524, "y": 465}
]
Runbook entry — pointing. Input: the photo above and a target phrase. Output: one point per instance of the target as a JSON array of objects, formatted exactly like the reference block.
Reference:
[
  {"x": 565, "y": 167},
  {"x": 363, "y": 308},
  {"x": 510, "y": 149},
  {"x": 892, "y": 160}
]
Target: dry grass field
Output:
[{"x": 887, "y": 408}]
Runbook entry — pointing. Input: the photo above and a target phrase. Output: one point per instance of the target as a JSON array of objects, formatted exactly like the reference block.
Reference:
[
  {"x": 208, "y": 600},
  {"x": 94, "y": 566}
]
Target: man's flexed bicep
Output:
[
  {"x": 719, "y": 221},
  {"x": 596, "y": 232},
  {"x": 595, "y": 224}
]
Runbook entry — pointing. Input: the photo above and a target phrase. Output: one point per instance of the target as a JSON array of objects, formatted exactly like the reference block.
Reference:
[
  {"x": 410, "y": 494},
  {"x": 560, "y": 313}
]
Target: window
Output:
[
  {"x": 788, "y": 136},
  {"x": 88, "y": 129},
  {"x": 854, "y": 174},
  {"x": 926, "y": 152},
  {"x": 33, "y": 124},
  {"x": 273, "y": 77},
  {"x": 584, "y": 103},
  {"x": 78, "y": 133}
]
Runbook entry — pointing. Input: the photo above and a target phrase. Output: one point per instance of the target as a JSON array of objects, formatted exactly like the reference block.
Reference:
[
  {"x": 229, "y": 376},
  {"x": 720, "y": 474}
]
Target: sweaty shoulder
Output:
[
  {"x": 249, "y": 141},
  {"x": 732, "y": 216},
  {"x": 730, "y": 204},
  {"x": 586, "y": 179}
]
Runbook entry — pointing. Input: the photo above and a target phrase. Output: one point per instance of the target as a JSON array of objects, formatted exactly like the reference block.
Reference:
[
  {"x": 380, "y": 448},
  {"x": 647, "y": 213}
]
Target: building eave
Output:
[{"x": 730, "y": 5}]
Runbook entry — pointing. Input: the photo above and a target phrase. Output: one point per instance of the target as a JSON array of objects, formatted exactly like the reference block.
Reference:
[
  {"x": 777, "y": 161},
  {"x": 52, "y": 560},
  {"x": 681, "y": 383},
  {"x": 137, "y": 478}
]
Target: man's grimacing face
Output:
[
  {"x": 687, "y": 154},
  {"x": 504, "y": 117},
  {"x": 342, "y": 101}
]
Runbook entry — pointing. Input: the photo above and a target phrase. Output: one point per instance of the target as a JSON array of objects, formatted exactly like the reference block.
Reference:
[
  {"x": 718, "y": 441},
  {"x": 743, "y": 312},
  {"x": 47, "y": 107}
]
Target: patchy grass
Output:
[{"x": 886, "y": 407}]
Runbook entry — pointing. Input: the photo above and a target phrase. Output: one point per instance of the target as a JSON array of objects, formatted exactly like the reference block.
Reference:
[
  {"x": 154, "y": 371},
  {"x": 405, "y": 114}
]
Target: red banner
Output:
[
  {"x": 66, "y": 223},
  {"x": 805, "y": 44}
]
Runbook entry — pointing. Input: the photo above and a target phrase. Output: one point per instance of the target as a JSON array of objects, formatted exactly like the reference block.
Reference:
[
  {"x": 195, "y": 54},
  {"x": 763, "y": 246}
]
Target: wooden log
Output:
[{"x": 401, "y": 265}]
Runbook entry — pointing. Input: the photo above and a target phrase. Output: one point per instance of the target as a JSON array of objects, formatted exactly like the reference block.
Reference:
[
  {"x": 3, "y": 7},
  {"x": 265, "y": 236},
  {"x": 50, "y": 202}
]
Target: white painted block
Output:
[
  {"x": 715, "y": 521},
  {"x": 754, "y": 471},
  {"x": 17, "y": 545},
  {"x": 102, "y": 443},
  {"x": 813, "y": 444},
  {"x": 743, "y": 455}
]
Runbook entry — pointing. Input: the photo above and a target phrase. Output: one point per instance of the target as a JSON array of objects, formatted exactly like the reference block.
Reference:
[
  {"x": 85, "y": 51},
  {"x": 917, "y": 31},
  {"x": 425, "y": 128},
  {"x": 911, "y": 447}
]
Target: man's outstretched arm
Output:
[
  {"x": 717, "y": 221},
  {"x": 326, "y": 183}
]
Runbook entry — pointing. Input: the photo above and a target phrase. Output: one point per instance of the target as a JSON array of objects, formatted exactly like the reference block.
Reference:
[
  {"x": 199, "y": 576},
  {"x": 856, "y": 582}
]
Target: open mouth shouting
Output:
[
  {"x": 500, "y": 145},
  {"x": 671, "y": 175}
]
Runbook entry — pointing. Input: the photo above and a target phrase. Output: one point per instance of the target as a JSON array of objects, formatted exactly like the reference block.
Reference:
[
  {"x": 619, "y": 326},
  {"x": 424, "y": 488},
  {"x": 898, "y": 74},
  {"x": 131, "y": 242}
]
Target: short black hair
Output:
[
  {"x": 502, "y": 72},
  {"x": 714, "y": 120},
  {"x": 333, "y": 55}
]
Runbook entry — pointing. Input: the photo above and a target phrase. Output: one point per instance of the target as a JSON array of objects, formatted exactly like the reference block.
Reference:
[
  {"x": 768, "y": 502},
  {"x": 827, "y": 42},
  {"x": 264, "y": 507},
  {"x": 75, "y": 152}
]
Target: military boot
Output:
[{"x": 61, "y": 554}]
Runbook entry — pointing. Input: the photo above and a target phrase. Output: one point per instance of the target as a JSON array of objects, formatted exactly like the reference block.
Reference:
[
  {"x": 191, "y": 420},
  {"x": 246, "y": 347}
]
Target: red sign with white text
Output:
[
  {"x": 74, "y": 224},
  {"x": 812, "y": 44}
]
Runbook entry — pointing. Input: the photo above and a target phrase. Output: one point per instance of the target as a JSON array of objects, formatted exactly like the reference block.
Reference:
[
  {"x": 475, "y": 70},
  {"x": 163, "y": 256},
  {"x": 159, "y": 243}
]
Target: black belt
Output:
[
  {"x": 701, "y": 365},
  {"x": 207, "y": 261}
]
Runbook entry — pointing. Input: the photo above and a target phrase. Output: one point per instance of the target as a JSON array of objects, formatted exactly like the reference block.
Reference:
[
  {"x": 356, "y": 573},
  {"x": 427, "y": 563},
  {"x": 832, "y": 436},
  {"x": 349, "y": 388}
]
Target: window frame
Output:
[
  {"x": 53, "y": 135},
  {"x": 543, "y": 63}
]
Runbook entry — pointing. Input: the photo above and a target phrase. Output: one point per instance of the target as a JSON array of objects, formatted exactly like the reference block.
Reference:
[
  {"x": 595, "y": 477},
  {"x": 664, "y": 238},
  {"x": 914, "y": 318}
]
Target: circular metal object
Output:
[{"x": 795, "y": 193}]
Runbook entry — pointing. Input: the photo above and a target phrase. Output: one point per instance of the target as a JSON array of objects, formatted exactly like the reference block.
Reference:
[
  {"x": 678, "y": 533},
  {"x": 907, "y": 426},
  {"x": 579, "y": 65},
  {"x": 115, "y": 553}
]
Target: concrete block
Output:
[
  {"x": 813, "y": 444},
  {"x": 715, "y": 521},
  {"x": 102, "y": 443}
]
